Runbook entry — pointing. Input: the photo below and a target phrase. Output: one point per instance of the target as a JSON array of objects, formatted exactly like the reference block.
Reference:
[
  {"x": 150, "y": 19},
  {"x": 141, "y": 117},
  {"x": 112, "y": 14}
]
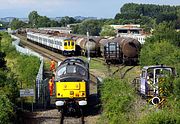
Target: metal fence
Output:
[{"x": 39, "y": 77}]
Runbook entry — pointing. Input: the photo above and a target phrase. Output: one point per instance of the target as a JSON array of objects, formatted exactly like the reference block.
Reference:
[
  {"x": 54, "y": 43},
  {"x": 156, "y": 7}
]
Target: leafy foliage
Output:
[
  {"x": 35, "y": 20},
  {"x": 67, "y": 20},
  {"x": 92, "y": 26},
  {"x": 107, "y": 31},
  {"x": 150, "y": 10},
  {"x": 117, "y": 98},
  {"x": 177, "y": 88},
  {"x": 160, "y": 117},
  {"x": 20, "y": 68},
  {"x": 159, "y": 53},
  {"x": 16, "y": 24},
  {"x": 165, "y": 31},
  {"x": 6, "y": 109}
]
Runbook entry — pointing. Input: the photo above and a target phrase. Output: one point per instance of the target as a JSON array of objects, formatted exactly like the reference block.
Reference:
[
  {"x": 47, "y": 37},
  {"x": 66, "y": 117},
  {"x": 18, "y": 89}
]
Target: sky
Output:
[{"x": 60, "y": 8}]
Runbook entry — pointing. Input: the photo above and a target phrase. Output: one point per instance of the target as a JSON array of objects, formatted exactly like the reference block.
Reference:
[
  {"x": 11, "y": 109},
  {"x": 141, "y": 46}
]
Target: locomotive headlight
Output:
[
  {"x": 71, "y": 92},
  {"x": 82, "y": 94}
]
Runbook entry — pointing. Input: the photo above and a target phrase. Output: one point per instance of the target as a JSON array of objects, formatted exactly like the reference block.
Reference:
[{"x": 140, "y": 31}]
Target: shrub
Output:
[
  {"x": 159, "y": 53},
  {"x": 117, "y": 98},
  {"x": 177, "y": 88},
  {"x": 160, "y": 117},
  {"x": 6, "y": 110}
]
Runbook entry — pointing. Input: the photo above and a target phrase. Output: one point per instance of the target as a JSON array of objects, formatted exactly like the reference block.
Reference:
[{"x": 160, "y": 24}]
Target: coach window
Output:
[{"x": 65, "y": 44}]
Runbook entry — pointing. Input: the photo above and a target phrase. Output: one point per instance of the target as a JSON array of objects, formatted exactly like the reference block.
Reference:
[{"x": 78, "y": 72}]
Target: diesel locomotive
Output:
[
  {"x": 152, "y": 83},
  {"x": 72, "y": 85}
]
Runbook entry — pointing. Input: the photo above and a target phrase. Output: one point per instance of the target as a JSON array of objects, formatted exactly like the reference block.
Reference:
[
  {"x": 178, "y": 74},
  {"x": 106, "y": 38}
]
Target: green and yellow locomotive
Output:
[{"x": 72, "y": 85}]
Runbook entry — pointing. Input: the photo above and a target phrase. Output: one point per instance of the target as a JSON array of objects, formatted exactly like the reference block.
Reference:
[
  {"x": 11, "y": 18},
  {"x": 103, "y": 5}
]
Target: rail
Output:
[{"x": 39, "y": 77}]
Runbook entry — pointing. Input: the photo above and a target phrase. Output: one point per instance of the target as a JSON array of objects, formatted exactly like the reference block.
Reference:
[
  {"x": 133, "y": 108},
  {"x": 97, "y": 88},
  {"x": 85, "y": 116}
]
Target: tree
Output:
[
  {"x": 92, "y": 26},
  {"x": 33, "y": 18},
  {"x": 16, "y": 24},
  {"x": 171, "y": 16},
  {"x": 161, "y": 52},
  {"x": 67, "y": 20},
  {"x": 107, "y": 31},
  {"x": 43, "y": 21},
  {"x": 165, "y": 31}
]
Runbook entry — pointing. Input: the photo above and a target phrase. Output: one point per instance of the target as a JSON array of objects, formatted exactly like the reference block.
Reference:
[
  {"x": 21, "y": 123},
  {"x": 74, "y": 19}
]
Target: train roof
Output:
[
  {"x": 75, "y": 60},
  {"x": 156, "y": 66},
  {"x": 47, "y": 35}
]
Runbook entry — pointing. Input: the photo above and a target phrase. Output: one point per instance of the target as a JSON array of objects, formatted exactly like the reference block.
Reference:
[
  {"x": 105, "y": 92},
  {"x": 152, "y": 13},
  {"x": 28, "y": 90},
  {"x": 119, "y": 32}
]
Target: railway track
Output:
[
  {"x": 57, "y": 57},
  {"x": 41, "y": 50},
  {"x": 122, "y": 71},
  {"x": 99, "y": 59},
  {"x": 47, "y": 53}
]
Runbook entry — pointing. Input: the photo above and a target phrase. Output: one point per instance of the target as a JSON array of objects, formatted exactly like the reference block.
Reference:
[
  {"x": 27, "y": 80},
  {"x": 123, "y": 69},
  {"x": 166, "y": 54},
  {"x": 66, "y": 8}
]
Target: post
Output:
[
  {"x": 21, "y": 103},
  {"x": 32, "y": 103},
  {"x": 88, "y": 52},
  {"x": 0, "y": 42}
]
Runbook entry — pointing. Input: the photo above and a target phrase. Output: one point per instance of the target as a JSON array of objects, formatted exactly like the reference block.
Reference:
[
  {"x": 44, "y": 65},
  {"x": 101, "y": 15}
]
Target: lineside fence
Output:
[{"x": 39, "y": 77}]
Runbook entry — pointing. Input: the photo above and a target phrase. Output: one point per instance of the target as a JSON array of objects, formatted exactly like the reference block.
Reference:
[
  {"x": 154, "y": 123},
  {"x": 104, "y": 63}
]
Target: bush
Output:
[
  {"x": 177, "y": 88},
  {"x": 27, "y": 69},
  {"x": 117, "y": 98},
  {"x": 6, "y": 110},
  {"x": 159, "y": 53},
  {"x": 160, "y": 117},
  {"x": 20, "y": 68}
]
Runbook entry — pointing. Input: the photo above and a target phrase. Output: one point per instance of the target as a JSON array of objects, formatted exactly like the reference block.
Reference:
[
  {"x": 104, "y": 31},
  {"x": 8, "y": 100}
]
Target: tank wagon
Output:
[
  {"x": 120, "y": 49},
  {"x": 130, "y": 49},
  {"x": 83, "y": 45},
  {"x": 72, "y": 85},
  {"x": 112, "y": 52}
]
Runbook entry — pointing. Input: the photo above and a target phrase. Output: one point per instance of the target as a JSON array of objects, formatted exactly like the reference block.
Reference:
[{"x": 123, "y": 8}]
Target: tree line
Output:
[
  {"x": 147, "y": 15},
  {"x": 158, "y": 13}
]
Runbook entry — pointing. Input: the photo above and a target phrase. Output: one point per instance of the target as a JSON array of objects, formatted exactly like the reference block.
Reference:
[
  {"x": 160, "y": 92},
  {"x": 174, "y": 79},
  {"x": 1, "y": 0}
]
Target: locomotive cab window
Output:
[
  {"x": 143, "y": 74},
  {"x": 61, "y": 71},
  {"x": 72, "y": 43},
  {"x": 71, "y": 69},
  {"x": 68, "y": 43}
]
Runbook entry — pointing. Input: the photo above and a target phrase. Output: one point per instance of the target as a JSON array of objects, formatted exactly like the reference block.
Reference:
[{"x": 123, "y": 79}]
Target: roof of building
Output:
[{"x": 126, "y": 27}]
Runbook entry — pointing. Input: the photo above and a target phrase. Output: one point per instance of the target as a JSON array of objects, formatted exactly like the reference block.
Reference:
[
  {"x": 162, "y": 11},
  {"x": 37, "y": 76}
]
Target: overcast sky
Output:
[{"x": 59, "y": 8}]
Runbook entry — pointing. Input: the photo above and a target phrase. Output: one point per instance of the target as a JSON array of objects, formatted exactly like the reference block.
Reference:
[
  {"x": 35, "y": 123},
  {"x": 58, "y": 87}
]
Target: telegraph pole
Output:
[
  {"x": 88, "y": 52},
  {"x": 0, "y": 42}
]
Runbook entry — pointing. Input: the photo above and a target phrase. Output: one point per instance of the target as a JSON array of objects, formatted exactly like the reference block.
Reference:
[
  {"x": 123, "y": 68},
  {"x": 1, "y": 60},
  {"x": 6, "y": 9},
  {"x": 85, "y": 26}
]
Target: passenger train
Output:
[{"x": 62, "y": 44}]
